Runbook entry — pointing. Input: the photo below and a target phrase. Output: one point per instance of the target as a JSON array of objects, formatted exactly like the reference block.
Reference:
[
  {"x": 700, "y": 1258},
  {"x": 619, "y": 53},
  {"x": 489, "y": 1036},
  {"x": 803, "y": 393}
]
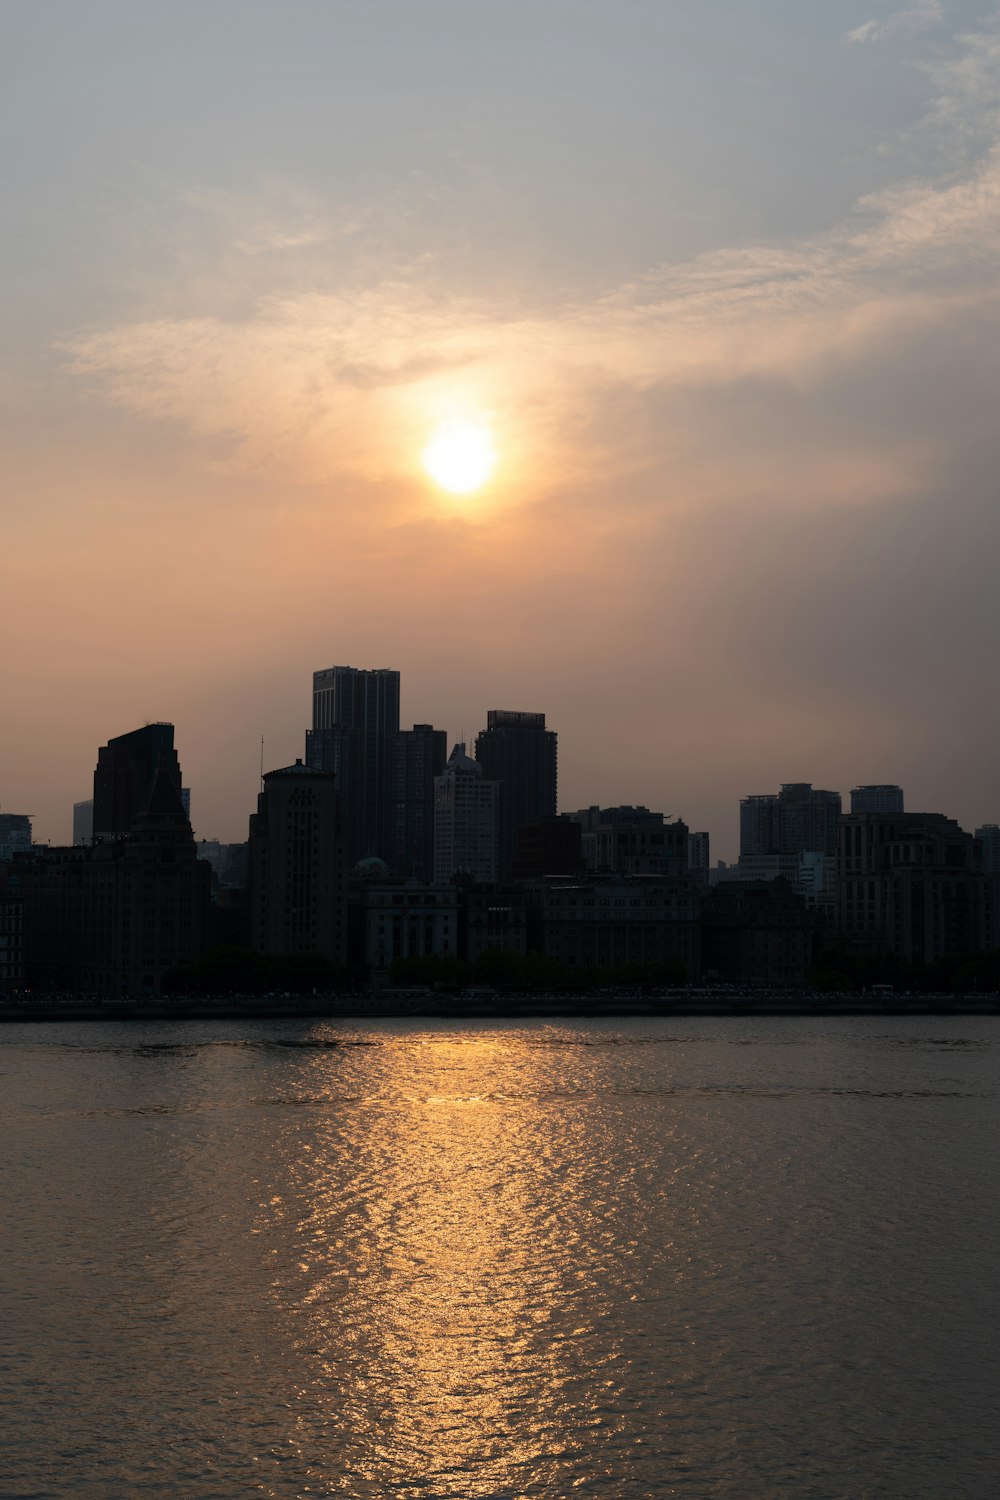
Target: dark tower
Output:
[
  {"x": 125, "y": 770},
  {"x": 367, "y": 701},
  {"x": 418, "y": 755},
  {"x": 297, "y": 879},
  {"x": 518, "y": 751}
]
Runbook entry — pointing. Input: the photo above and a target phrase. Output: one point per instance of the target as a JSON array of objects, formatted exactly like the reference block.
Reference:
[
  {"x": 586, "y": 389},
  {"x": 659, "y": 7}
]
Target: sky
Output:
[{"x": 719, "y": 279}]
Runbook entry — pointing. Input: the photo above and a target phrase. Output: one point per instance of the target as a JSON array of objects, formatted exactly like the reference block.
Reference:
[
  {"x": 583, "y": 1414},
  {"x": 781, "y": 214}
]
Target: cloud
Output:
[{"x": 920, "y": 16}]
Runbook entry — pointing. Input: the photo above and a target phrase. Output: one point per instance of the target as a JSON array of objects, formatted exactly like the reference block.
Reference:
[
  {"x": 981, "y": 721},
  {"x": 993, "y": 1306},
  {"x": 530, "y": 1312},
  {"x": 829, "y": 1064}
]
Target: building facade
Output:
[
  {"x": 516, "y": 751},
  {"x": 884, "y": 798},
  {"x": 465, "y": 821},
  {"x": 366, "y": 700},
  {"x": 418, "y": 756},
  {"x": 297, "y": 874}
]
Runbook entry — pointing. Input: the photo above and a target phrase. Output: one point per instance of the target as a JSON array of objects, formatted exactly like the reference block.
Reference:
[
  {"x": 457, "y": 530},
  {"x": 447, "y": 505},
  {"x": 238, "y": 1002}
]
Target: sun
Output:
[{"x": 460, "y": 456}]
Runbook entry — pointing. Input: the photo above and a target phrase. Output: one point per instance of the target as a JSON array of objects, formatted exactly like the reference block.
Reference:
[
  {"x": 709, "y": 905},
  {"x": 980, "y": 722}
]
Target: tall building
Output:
[
  {"x": 297, "y": 897},
  {"x": 796, "y": 819},
  {"x": 418, "y": 756},
  {"x": 876, "y": 799},
  {"x": 115, "y": 917},
  {"x": 699, "y": 855},
  {"x": 125, "y": 770},
  {"x": 760, "y": 825},
  {"x": 632, "y": 841},
  {"x": 809, "y": 818},
  {"x": 340, "y": 751},
  {"x": 15, "y": 834},
  {"x": 83, "y": 821},
  {"x": 365, "y": 700},
  {"x": 989, "y": 847},
  {"x": 465, "y": 820},
  {"x": 521, "y": 755}
]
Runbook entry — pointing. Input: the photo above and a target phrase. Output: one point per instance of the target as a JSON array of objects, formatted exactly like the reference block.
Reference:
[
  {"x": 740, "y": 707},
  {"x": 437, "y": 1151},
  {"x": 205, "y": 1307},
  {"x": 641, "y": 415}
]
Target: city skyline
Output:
[{"x": 723, "y": 310}]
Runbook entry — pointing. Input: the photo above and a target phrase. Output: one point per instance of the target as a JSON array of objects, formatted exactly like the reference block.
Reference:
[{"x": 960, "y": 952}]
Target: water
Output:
[{"x": 643, "y": 1258}]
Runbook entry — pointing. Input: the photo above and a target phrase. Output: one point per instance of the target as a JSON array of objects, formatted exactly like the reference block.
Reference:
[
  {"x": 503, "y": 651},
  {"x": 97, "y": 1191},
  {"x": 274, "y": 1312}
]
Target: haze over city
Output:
[{"x": 706, "y": 295}]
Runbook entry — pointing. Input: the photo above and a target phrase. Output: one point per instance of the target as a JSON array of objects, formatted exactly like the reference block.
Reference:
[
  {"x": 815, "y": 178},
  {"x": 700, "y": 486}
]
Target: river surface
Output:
[{"x": 634, "y": 1258}]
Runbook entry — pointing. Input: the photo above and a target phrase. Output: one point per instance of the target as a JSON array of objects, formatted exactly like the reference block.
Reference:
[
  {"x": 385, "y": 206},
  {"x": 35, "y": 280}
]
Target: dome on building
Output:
[{"x": 371, "y": 868}]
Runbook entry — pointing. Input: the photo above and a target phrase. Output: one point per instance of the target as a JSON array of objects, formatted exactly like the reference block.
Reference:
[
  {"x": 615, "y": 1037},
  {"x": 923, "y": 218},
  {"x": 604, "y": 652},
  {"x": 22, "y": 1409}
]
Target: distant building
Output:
[
  {"x": 799, "y": 817},
  {"x": 699, "y": 855},
  {"x": 365, "y": 700},
  {"x": 757, "y": 933},
  {"x": 297, "y": 886},
  {"x": 516, "y": 751},
  {"x": 399, "y": 919},
  {"x": 15, "y": 834},
  {"x": 11, "y": 936},
  {"x": 83, "y": 821},
  {"x": 465, "y": 821},
  {"x": 911, "y": 884},
  {"x": 615, "y": 921},
  {"x": 632, "y": 841},
  {"x": 340, "y": 752},
  {"x": 116, "y": 917},
  {"x": 418, "y": 756},
  {"x": 125, "y": 770},
  {"x": 989, "y": 847},
  {"x": 877, "y": 799},
  {"x": 494, "y": 922}
]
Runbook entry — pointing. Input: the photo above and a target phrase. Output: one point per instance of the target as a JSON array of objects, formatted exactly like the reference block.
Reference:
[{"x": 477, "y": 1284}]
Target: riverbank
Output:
[{"x": 400, "y": 1004}]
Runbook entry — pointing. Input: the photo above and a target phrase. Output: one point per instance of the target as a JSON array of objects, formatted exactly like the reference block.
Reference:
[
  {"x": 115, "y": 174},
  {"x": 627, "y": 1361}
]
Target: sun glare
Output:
[{"x": 460, "y": 456}]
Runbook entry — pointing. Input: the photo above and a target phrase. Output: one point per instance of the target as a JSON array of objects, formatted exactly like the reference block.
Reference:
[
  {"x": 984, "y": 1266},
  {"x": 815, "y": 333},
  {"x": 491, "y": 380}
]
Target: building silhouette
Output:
[
  {"x": 340, "y": 751},
  {"x": 15, "y": 834},
  {"x": 124, "y": 774},
  {"x": 632, "y": 841},
  {"x": 354, "y": 698},
  {"x": 521, "y": 755},
  {"x": 989, "y": 847},
  {"x": 418, "y": 756},
  {"x": 116, "y": 916},
  {"x": 465, "y": 820},
  {"x": 877, "y": 799},
  {"x": 83, "y": 821},
  {"x": 297, "y": 877},
  {"x": 798, "y": 818}
]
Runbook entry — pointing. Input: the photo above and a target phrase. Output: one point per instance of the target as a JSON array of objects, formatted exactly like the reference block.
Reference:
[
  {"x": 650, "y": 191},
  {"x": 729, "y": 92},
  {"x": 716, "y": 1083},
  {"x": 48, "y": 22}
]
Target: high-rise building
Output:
[
  {"x": 365, "y": 700},
  {"x": 15, "y": 834},
  {"x": 699, "y": 855},
  {"x": 418, "y": 756},
  {"x": 340, "y": 752},
  {"x": 465, "y": 820},
  {"x": 808, "y": 818},
  {"x": 297, "y": 896},
  {"x": 760, "y": 825},
  {"x": 989, "y": 848},
  {"x": 877, "y": 799},
  {"x": 125, "y": 770},
  {"x": 83, "y": 821},
  {"x": 798, "y": 818},
  {"x": 518, "y": 752},
  {"x": 632, "y": 841}
]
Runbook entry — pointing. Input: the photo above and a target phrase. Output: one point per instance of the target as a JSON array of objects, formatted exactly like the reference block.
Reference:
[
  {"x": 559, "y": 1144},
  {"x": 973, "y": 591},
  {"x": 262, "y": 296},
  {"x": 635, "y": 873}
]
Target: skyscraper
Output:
[
  {"x": 516, "y": 750},
  {"x": 297, "y": 876},
  {"x": 465, "y": 820},
  {"x": 418, "y": 756},
  {"x": 877, "y": 799},
  {"x": 368, "y": 701},
  {"x": 798, "y": 818},
  {"x": 760, "y": 825},
  {"x": 125, "y": 770}
]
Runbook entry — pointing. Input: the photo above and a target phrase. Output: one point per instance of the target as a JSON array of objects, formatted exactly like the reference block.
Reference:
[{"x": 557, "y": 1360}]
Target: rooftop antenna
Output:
[{"x": 262, "y": 762}]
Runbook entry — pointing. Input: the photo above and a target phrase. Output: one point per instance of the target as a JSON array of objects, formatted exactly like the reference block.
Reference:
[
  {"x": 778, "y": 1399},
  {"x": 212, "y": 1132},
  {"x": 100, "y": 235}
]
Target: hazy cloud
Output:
[{"x": 920, "y": 16}]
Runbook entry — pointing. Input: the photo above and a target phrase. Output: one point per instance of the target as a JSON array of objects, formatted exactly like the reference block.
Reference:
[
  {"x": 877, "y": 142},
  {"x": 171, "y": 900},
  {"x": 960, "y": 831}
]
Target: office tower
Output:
[
  {"x": 517, "y": 751},
  {"x": 418, "y": 756},
  {"x": 465, "y": 820},
  {"x": 808, "y": 818},
  {"x": 297, "y": 895},
  {"x": 15, "y": 834},
  {"x": 989, "y": 848},
  {"x": 125, "y": 770},
  {"x": 699, "y": 858},
  {"x": 368, "y": 701},
  {"x": 340, "y": 751},
  {"x": 83, "y": 821},
  {"x": 798, "y": 818},
  {"x": 760, "y": 825},
  {"x": 877, "y": 799}
]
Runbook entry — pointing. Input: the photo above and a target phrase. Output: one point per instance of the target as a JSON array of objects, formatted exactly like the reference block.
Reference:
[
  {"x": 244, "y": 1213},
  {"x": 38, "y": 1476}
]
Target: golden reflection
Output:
[{"x": 440, "y": 1298}]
